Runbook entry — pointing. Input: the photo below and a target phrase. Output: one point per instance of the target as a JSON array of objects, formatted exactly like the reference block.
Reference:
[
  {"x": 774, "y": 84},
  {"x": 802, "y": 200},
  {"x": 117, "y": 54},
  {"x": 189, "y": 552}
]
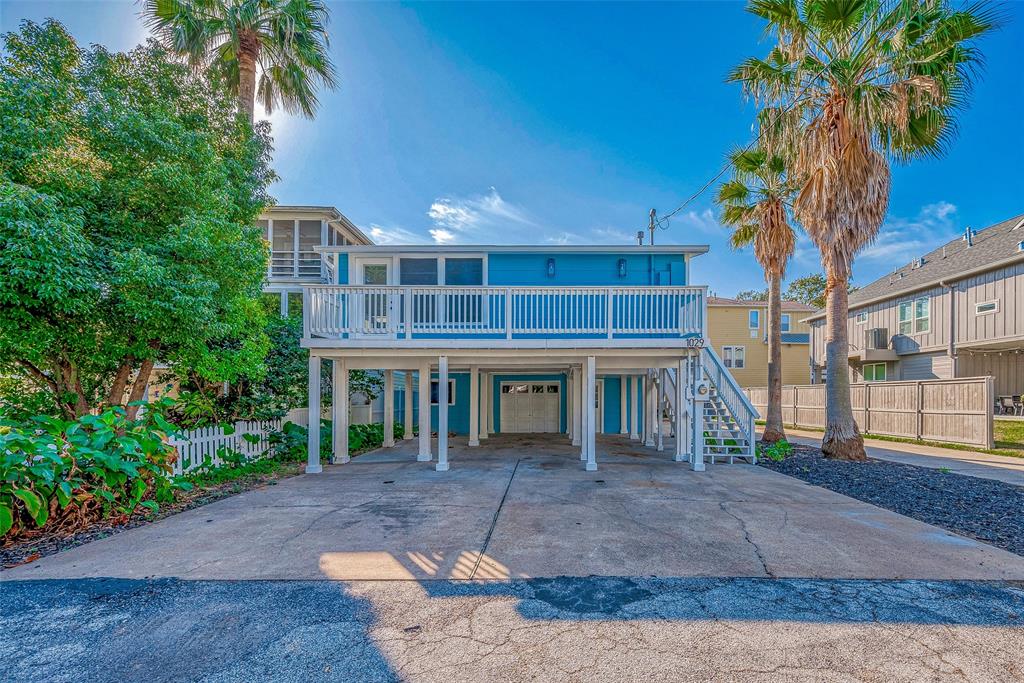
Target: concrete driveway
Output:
[{"x": 522, "y": 507}]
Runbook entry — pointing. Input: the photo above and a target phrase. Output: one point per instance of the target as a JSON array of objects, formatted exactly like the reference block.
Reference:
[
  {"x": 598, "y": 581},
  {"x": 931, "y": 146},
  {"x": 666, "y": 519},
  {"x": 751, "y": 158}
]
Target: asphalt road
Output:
[{"x": 560, "y": 629}]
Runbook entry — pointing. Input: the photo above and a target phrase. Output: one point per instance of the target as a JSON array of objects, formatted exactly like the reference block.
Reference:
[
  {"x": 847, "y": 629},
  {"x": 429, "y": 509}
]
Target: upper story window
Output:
[
  {"x": 914, "y": 316},
  {"x": 417, "y": 271},
  {"x": 429, "y": 271},
  {"x": 734, "y": 356},
  {"x": 785, "y": 322},
  {"x": 464, "y": 271},
  {"x": 754, "y": 319},
  {"x": 984, "y": 307},
  {"x": 862, "y": 317}
]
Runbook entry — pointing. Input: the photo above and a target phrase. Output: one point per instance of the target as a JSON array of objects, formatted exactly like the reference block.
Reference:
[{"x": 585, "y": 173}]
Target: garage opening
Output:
[{"x": 530, "y": 407}]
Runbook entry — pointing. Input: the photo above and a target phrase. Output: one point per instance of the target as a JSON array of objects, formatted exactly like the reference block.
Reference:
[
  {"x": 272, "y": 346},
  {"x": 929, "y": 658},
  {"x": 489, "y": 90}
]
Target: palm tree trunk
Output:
[
  {"x": 248, "y": 48},
  {"x": 773, "y": 429},
  {"x": 842, "y": 440}
]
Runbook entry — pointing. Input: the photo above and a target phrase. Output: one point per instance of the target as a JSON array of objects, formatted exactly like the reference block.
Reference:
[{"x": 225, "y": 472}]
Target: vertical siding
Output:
[
  {"x": 1006, "y": 368},
  {"x": 1006, "y": 286}
]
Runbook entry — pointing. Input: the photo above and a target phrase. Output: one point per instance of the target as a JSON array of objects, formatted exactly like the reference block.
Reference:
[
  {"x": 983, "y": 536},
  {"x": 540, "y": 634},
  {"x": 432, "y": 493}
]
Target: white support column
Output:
[
  {"x": 474, "y": 405},
  {"x": 659, "y": 423},
  {"x": 424, "y": 396},
  {"x": 407, "y": 408},
  {"x": 591, "y": 410},
  {"x": 486, "y": 391},
  {"x": 568, "y": 405},
  {"x": 313, "y": 441},
  {"x": 680, "y": 422},
  {"x": 389, "y": 408},
  {"x": 697, "y": 421},
  {"x": 284, "y": 304},
  {"x": 623, "y": 397},
  {"x": 648, "y": 411},
  {"x": 442, "y": 414},
  {"x": 634, "y": 408},
  {"x": 577, "y": 409},
  {"x": 339, "y": 411}
]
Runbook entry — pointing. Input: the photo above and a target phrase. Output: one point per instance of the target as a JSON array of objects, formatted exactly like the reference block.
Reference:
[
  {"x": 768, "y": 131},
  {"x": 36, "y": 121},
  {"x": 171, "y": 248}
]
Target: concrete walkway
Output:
[
  {"x": 970, "y": 463},
  {"x": 523, "y": 507}
]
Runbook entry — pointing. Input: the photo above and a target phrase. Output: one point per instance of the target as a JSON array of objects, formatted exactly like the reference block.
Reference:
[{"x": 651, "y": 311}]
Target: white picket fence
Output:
[{"x": 195, "y": 445}]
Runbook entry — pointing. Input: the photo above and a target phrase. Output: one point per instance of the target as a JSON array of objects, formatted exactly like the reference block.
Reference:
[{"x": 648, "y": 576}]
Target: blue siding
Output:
[
  {"x": 496, "y": 396},
  {"x": 458, "y": 414},
  {"x": 612, "y": 404},
  {"x": 599, "y": 270},
  {"x": 343, "y": 269}
]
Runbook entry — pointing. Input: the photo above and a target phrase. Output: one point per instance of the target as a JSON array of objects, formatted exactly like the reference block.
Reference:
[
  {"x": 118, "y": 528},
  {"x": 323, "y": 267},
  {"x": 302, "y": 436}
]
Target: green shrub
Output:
[
  {"x": 290, "y": 442},
  {"x": 67, "y": 473},
  {"x": 775, "y": 452}
]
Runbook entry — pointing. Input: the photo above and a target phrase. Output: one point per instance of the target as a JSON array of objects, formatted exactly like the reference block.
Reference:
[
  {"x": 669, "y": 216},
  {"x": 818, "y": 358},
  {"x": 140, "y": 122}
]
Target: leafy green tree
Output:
[
  {"x": 810, "y": 290},
  {"x": 284, "y": 40},
  {"x": 129, "y": 194},
  {"x": 756, "y": 202},
  {"x": 753, "y": 295},
  {"x": 851, "y": 86}
]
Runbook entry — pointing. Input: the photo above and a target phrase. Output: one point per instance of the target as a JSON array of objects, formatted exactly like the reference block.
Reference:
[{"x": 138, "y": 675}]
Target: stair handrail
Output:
[{"x": 728, "y": 389}]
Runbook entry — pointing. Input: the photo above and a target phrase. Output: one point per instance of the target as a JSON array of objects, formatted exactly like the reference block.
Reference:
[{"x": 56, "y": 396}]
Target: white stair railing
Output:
[{"x": 732, "y": 397}]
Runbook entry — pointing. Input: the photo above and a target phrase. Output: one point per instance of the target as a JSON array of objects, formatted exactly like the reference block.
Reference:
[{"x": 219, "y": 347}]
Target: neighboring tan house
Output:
[
  {"x": 566, "y": 342},
  {"x": 739, "y": 332},
  {"x": 957, "y": 311}
]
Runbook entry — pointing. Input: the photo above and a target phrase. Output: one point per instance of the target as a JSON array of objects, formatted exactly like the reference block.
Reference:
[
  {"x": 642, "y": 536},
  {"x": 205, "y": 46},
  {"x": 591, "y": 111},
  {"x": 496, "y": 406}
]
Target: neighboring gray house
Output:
[{"x": 957, "y": 311}]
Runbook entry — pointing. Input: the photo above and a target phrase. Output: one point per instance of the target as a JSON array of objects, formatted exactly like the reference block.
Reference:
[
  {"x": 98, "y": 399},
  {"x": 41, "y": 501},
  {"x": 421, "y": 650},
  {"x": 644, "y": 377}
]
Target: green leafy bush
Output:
[
  {"x": 775, "y": 452},
  {"x": 290, "y": 442},
  {"x": 64, "y": 474}
]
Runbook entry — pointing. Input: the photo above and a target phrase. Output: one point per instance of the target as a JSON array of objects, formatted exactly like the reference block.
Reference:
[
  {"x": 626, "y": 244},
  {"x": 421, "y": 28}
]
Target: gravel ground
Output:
[{"x": 984, "y": 509}]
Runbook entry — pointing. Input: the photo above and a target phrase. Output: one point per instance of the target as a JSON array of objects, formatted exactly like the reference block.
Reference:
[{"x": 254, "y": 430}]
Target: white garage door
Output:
[{"x": 530, "y": 406}]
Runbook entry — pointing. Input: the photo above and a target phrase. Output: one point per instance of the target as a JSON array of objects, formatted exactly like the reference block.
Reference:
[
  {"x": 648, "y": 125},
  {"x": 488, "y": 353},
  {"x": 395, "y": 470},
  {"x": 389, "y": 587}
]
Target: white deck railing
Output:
[
  {"x": 360, "y": 312},
  {"x": 730, "y": 392},
  {"x": 294, "y": 264}
]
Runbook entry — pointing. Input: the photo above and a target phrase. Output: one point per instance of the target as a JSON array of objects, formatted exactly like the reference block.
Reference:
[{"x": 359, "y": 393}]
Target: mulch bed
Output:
[
  {"x": 30, "y": 549},
  {"x": 984, "y": 509}
]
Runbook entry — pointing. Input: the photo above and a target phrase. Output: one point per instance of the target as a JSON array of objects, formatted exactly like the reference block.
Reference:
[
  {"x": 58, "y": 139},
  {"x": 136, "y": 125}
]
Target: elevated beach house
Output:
[{"x": 566, "y": 341}]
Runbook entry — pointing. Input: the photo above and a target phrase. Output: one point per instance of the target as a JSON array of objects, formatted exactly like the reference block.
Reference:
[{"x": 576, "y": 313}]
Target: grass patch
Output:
[{"x": 1008, "y": 437}]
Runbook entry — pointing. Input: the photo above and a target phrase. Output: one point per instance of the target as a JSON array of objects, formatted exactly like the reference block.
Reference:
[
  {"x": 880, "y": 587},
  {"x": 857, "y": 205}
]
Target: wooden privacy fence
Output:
[
  {"x": 952, "y": 410},
  {"x": 195, "y": 445}
]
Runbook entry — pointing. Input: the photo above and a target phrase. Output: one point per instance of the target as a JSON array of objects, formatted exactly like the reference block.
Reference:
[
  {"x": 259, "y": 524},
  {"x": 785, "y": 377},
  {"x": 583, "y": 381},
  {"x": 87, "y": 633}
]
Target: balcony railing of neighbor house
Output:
[
  {"x": 295, "y": 264},
  {"x": 361, "y": 312}
]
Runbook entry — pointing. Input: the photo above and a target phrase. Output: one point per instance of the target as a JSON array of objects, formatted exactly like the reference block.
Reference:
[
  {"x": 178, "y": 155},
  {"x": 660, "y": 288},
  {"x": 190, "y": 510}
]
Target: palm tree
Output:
[
  {"x": 755, "y": 202},
  {"x": 851, "y": 86},
  {"x": 285, "y": 41}
]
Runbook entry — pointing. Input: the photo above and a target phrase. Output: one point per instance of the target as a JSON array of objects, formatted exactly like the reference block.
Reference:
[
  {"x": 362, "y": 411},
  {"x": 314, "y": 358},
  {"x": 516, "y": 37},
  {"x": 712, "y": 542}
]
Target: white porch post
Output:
[
  {"x": 569, "y": 415},
  {"x": 424, "y": 380},
  {"x": 284, "y": 304},
  {"x": 313, "y": 442},
  {"x": 634, "y": 404},
  {"x": 680, "y": 428},
  {"x": 648, "y": 411},
  {"x": 407, "y": 409},
  {"x": 487, "y": 388},
  {"x": 696, "y": 422},
  {"x": 339, "y": 411},
  {"x": 659, "y": 424},
  {"x": 623, "y": 397},
  {"x": 577, "y": 409},
  {"x": 591, "y": 417},
  {"x": 389, "y": 408},
  {"x": 442, "y": 414},
  {"x": 474, "y": 405}
]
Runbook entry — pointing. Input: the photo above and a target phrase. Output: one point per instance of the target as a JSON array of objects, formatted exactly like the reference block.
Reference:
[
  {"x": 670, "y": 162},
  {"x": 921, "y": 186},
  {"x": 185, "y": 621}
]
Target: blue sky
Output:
[{"x": 566, "y": 123}]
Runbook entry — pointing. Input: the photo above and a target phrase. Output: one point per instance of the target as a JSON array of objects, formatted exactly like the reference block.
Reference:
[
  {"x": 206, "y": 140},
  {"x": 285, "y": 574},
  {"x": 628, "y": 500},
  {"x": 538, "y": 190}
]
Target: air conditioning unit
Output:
[{"x": 876, "y": 338}]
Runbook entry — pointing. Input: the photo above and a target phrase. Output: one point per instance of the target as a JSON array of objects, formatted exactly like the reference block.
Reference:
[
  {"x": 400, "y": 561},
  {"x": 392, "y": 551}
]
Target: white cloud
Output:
[
  {"x": 903, "y": 239},
  {"x": 392, "y": 235},
  {"x": 704, "y": 221},
  {"x": 479, "y": 218}
]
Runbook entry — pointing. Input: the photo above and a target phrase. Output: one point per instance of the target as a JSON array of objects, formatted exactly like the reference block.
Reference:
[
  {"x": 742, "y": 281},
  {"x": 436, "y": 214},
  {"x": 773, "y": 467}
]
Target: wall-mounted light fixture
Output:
[
  {"x": 551, "y": 267},
  {"x": 622, "y": 267}
]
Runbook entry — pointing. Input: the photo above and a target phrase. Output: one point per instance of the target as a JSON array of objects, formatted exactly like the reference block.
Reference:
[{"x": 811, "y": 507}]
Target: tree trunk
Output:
[
  {"x": 117, "y": 389},
  {"x": 842, "y": 440},
  {"x": 773, "y": 429},
  {"x": 248, "y": 50},
  {"x": 139, "y": 388}
]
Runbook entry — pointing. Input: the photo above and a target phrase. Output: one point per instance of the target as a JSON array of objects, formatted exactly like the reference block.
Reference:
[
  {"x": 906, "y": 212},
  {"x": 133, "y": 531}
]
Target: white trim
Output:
[
  {"x": 858, "y": 320},
  {"x": 995, "y": 309},
  {"x": 451, "y": 391},
  {"x": 690, "y": 249},
  {"x": 730, "y": 362}
]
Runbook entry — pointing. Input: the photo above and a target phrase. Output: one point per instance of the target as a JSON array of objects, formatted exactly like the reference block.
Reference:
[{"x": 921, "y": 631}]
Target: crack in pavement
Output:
[
  {"x": 746, "y": 534},
  {"x": 494, "y": 522}
]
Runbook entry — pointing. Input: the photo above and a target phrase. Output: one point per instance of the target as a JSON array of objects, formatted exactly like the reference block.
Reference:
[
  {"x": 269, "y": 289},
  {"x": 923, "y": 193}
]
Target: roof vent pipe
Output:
[{"x": 969, "y": 237}]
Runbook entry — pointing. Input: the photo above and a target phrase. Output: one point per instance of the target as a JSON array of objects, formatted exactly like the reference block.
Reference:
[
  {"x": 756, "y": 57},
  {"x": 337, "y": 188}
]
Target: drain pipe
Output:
[{"x": 951, "y": 344}]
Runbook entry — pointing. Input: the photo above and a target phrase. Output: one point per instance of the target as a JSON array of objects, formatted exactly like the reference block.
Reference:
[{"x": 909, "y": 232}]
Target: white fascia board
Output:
[{"x": 690, "y": 249}]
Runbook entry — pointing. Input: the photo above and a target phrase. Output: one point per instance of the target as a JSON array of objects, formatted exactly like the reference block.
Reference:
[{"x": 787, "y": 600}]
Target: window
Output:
[
  {"x": 785, "y": 322},
  {"x": 874, "y": 372},
  {"x": 417, "y": 271},
  {"x": 734, "y": 356},
  {"x": 435, "y": 388},
  {"x": 754, "y": 319},
  {"x": 914, "y": 316},
  {"x": 862, "y": 317},
  {"x": 464, "y": 271},
  {"x": 986, "y": 307}
]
